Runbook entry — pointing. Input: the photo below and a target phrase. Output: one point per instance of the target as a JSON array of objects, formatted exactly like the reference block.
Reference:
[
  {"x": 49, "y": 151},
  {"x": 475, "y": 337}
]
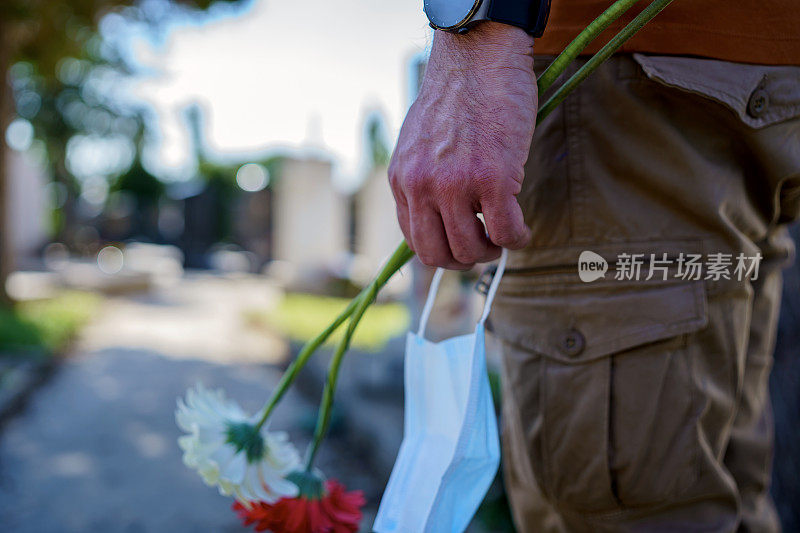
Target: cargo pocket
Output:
[{"x": 604, "y": 389}]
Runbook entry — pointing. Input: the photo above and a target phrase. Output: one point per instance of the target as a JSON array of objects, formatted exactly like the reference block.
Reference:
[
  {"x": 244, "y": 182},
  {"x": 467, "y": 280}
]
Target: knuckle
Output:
[
  {"x": 464, "y": 254},
  {"x": 463, "y": 257},
  {"x": 499, "y": 180},
  {"x": 426, "y": 258},
  {"x": 490, "y": 170},
  {"x": 449, "y": 190},
  {"x": 415, "y": 183},
  {"x": 507, "y": 238},
  {"x": 490, "y": 164},
  {"x": 406, "y": 175},
  {"x": 502, "y": 234},
  {"x": 513, "y": 177},
  {"x": 463, "y": 266},
  {"x": 503, "y": 239},
  {"x": 490, "y": 192},
  {"x": 394, "y": 177},
  {"x": 434, "y": 258},
  {"x": 508, "y": 241}
]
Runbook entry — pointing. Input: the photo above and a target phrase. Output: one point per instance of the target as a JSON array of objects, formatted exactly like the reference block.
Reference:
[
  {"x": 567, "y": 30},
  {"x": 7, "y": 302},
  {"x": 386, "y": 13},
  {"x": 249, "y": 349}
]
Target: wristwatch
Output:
[{"x": 458, "y": 16}]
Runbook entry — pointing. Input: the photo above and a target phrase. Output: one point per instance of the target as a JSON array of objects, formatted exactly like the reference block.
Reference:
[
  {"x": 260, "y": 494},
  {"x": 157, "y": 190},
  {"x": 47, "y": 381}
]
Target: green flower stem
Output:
[
  {"x": 300, "y": 361},
  {"x": 401, "y": 256},
  {"x": 311, "y": 346},
  {"x": 613, "y": 45},
  {"x": 326, "y": 404},
  {"x": 580, "y": 43}
]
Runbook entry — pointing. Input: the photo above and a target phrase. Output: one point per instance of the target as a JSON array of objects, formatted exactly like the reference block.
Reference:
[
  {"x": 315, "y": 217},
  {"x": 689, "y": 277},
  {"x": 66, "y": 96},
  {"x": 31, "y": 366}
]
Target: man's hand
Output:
[{"x": 463, "y": 146}]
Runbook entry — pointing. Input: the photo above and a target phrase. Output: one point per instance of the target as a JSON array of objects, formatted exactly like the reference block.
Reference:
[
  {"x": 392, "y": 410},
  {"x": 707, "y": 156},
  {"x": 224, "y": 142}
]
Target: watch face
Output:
[{"x": 450, "y": 13}]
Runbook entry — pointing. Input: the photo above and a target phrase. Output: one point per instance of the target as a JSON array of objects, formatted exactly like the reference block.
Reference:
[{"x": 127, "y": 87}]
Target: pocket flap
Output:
[
  {"x": 582, "y": 323},
  {"x": 759, "y": 94}
]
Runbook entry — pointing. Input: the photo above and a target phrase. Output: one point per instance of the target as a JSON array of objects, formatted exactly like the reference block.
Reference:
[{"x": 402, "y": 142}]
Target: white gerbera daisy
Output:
[{"x": 226, "y": 450}]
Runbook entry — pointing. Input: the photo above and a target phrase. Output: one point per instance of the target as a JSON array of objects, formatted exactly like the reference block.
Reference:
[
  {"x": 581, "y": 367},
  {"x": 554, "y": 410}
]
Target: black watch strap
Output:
[{"x": 530, "y": 15}]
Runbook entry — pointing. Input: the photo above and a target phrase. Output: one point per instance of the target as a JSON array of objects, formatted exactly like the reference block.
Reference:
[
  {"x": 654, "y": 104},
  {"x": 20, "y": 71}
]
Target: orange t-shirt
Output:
[{"x": 746, "y": 31}]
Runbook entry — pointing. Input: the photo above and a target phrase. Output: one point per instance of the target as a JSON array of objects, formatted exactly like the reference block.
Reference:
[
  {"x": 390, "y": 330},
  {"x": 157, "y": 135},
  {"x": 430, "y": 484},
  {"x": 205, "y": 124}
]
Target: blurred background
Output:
[{"x": 190, "y": 190}]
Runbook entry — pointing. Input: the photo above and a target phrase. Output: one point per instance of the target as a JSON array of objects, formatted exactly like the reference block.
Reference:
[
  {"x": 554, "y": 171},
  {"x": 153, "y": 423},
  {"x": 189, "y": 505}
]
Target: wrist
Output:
[
  {"x": 485, "y": 45},
  {"x": 489, "y": 33}
]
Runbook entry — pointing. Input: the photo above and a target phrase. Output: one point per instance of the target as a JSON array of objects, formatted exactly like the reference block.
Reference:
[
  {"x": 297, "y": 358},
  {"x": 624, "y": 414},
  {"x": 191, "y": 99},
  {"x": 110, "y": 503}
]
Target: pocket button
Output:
[
  {"x": 572, "y": 343},
  {"x": 759, "y": 101}
]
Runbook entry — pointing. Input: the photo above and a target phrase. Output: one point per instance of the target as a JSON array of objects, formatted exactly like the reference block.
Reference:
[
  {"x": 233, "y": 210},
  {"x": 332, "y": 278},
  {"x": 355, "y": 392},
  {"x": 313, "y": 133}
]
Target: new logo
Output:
[{"x": 591, "y": 266}]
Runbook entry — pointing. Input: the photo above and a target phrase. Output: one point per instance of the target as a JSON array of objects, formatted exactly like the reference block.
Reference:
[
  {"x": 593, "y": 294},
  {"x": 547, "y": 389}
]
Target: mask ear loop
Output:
[
  {"x": 426, "y": 311},
  {"x": 434, "y": 289},
  {"x": 498, "y": 275}
]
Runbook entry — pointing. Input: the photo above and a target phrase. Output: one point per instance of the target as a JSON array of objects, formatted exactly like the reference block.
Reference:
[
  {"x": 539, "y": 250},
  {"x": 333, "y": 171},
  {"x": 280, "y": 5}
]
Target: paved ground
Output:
[
  {"x": 200, "y": 317},
  {"x": 95, "y": 448}
]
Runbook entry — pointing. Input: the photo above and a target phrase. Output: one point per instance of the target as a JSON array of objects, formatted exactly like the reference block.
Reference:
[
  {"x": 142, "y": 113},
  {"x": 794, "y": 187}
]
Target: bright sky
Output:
[{"x": 290, "y": 73}]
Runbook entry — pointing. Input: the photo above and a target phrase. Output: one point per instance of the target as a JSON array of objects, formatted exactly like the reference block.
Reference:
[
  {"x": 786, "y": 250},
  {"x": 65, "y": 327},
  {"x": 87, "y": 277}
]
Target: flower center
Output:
[
  {"x": 245, "y": 437},
  {"x": 309, "y": 484}
]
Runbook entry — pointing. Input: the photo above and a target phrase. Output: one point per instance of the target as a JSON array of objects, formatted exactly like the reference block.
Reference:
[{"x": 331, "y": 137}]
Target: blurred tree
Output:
[
  {"x": 219, "y": 178},
  {"x": 137, "y": 181},
  {"x": 57, "y": 42},
  {"x": 220, "y": 212},
  {"x": 143, "y": 188},
  {"x": 377, "y": 143}
]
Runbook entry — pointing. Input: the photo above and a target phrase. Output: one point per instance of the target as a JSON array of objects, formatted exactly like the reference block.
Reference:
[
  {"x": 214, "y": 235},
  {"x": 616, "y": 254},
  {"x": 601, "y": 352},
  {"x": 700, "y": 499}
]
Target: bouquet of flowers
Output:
[{"x": 274, "y": 489}]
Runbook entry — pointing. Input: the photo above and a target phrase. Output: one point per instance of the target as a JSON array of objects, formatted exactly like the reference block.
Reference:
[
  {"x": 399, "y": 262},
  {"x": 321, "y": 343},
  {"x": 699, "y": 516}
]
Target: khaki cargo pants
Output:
[{"x": 642, "y": 404}]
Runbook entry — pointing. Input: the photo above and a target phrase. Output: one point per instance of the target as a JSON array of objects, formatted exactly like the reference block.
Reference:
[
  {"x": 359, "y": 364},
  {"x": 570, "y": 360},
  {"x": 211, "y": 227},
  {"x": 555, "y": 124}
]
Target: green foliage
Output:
[
  {"x": 17, "y": 333},
  {"x": 377, "y": 142},
  {"x": 46, "y": 325},
  {"x": 137, "y": 181},
  {"x": 61, "y": 72},
  {"x": 301, "y": 317},
  {"x": 46, "y": 31},
  {"x": 494, "y": 514}
]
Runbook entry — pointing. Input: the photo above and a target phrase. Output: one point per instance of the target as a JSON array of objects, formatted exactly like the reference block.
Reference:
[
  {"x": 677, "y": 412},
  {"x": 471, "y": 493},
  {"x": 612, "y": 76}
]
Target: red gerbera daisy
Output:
[{"x": 333, "y": 510}]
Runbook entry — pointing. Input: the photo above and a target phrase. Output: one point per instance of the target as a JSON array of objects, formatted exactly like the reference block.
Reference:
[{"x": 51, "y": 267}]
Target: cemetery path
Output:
[{"x": 94, "y": 450}]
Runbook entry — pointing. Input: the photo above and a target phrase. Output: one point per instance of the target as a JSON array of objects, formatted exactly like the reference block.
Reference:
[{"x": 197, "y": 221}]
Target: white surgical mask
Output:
[{"x": 450, "y": 450}]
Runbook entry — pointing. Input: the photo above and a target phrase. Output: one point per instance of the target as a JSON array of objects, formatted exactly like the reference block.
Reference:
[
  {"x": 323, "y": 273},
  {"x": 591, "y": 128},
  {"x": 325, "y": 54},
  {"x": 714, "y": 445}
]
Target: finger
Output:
[
  {"x": 402, "y": 216},
  {"x": 430, "y": 239},
  {"x": 505, "y": 221},
  {"x": 466, "y": 236}
]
